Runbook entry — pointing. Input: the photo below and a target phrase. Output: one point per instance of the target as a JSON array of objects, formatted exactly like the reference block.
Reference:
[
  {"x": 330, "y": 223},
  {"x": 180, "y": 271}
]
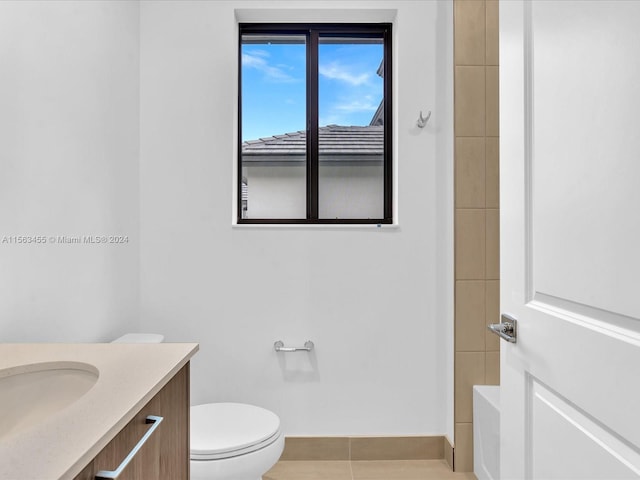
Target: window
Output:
[{"x": 315, "y": 124}]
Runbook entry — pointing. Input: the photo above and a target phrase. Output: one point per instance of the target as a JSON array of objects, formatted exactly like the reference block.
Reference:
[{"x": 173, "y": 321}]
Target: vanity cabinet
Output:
[{"x": 165, "y": 454}]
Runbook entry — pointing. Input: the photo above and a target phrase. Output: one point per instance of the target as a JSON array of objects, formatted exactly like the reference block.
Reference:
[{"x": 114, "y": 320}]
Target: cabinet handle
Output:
[{"x": 111, "y": 474}]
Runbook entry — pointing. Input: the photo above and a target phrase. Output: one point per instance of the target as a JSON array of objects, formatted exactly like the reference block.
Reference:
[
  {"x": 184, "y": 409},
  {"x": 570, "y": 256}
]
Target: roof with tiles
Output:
[{"x": 335, "y": 141}]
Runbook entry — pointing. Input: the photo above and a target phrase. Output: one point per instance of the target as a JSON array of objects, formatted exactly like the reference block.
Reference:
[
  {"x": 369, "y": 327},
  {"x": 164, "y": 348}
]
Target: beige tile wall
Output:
[{"x": 477, "y": 269}]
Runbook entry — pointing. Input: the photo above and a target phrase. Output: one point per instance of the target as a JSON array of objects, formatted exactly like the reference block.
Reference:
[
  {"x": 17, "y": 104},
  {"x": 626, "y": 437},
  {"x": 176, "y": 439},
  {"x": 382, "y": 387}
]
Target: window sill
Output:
[{"x": 323, "y": 226}]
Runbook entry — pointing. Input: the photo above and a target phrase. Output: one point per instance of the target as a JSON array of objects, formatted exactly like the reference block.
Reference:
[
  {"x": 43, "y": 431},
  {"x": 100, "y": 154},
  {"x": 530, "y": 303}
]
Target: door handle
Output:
[{"x": 507, "y": 329}]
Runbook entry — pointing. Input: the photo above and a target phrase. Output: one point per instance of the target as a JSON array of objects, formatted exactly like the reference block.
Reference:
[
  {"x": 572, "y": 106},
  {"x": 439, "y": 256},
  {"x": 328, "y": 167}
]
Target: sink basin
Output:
[{"x": 30, "y": 394}]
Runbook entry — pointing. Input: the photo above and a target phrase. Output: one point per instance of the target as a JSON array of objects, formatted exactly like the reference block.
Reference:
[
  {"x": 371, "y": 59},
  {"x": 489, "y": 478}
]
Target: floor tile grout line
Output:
[{"x": 350, "y": 460}]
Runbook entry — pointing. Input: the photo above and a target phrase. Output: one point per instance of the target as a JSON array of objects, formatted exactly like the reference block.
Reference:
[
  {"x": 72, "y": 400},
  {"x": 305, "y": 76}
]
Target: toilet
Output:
[{"x": 229, "y": 441}]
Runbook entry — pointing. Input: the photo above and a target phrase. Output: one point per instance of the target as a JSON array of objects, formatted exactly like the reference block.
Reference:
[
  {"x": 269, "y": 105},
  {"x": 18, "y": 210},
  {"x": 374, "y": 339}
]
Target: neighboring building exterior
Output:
[{"x": 350, "y": 175}]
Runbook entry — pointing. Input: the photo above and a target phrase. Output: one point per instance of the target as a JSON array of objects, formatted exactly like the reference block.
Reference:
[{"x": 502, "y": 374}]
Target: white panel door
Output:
[{"x": 570, "y": 238}]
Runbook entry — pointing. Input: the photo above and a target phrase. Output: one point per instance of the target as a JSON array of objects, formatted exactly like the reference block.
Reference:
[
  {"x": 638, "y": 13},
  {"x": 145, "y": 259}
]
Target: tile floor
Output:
[{"x": 365, "y": 470}]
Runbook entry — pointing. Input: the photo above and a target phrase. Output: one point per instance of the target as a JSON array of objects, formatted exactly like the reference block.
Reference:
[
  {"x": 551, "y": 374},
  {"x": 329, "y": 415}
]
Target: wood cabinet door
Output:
[{"x": 165, "y": 455}]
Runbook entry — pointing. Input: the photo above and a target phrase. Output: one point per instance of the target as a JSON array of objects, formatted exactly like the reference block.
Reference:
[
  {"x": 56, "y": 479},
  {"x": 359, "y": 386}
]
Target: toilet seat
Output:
[{"x": 224, "y": 430}]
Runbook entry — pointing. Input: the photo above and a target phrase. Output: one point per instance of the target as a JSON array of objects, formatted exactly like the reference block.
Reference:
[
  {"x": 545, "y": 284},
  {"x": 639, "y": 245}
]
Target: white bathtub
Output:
[{"x": 486, "y": 432}]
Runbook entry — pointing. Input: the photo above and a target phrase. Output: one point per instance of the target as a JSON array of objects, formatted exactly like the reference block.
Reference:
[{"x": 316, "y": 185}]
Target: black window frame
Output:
[{"x": 312, "y": 32}]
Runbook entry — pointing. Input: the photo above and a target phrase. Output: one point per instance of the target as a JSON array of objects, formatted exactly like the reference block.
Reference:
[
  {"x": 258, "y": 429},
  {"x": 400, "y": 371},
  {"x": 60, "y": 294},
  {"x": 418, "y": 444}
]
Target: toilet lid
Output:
[{"x": 221, "y": 430}]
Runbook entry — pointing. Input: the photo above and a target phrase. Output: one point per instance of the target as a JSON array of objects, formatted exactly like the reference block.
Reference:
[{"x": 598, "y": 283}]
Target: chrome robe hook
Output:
[{"x": 422, "y": 121}]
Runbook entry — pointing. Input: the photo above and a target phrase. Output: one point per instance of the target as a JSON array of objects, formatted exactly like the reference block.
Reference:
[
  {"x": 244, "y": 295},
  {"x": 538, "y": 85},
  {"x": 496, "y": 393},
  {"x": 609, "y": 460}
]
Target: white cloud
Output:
[
  {"x": 356, "y": 106},
  {"x": 260, "y": 53},
  {"x": 348, "y": 112},
  {"x": 335, "y": 71},
  {"x": 256, "y": 59}
]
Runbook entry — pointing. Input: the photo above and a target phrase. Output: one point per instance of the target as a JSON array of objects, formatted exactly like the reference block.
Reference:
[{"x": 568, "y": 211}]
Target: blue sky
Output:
[{"x": 274, "y": 83}]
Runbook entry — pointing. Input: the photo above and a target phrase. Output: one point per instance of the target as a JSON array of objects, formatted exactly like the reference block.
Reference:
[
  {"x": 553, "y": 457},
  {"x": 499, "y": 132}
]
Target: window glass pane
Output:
[
  {"x": 273, "y": 110},
  {"x": 351, "y": 137}
]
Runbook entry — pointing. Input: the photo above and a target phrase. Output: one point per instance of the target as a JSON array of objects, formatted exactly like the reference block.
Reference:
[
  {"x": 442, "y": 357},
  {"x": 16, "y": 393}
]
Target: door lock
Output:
[{"x": 507, "y": 329}]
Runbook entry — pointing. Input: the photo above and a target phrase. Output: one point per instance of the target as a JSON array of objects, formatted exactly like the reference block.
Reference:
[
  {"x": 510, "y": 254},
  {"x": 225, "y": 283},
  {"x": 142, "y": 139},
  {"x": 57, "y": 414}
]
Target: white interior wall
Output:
[
  {"x": 377, "y": 303},
  {"x": 371, "y": 299},
  {"x": 444, "y": 172},
  {"x": 69, "y": 79}
]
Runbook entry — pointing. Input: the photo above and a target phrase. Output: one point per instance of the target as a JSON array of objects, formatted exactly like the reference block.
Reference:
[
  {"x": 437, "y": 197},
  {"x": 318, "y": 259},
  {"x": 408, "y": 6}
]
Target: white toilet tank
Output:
[
  {"x": 140, "y": 338},
  {"x": 486, "y": 432}
]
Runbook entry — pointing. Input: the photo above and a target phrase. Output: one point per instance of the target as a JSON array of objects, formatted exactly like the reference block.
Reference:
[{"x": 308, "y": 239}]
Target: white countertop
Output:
[{"x": 60, "y": 447}]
